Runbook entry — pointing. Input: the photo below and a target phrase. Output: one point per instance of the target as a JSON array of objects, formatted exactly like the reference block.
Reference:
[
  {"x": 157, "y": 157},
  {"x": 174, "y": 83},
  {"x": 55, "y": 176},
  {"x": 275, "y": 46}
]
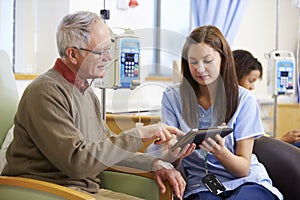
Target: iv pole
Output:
[
  {"x": 275, "y": 96},
  {"x": 297, "y": 4},
  {"x": 105, "y": 14}
]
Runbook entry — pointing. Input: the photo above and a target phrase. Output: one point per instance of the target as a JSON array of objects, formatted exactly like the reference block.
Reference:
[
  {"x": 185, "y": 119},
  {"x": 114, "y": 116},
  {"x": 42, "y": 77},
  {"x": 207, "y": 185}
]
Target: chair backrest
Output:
[
  {"x": 9, "y": 97},
  {"x": 282, "y": 163}
]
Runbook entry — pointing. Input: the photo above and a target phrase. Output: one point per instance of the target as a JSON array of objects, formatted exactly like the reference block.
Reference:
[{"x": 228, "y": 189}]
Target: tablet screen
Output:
[{"x": 198, "y": 135}]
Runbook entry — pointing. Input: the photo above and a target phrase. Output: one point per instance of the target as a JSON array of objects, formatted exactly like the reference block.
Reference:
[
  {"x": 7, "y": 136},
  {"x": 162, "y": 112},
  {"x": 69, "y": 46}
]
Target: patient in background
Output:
[{"x": 248, "y": 70}]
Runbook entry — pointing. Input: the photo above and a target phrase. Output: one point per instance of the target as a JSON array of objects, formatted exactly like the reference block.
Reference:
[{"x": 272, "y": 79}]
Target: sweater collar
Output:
[{"x": 70, "y": 76}]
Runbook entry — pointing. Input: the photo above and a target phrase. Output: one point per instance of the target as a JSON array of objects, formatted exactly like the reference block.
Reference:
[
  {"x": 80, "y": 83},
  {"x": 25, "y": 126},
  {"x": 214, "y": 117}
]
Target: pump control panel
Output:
[
  {"x": 124, "y": 71},
  {"x": 281, "y": 73},
  {"x": 129, "y": 59}
]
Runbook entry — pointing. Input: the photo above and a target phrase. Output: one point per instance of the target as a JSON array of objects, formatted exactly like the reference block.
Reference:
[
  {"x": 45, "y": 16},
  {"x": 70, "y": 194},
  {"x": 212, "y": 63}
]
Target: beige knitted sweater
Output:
[{"x": 60, "y": 136}]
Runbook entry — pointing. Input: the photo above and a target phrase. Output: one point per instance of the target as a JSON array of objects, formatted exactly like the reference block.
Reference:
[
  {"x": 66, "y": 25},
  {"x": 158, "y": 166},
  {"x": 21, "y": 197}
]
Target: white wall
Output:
[
  {"x": 134, "y": 18},
  {"x": 36, "y": 24},
  {"x": 257, "y": 33},
  {"x": 6, "y": 34}
]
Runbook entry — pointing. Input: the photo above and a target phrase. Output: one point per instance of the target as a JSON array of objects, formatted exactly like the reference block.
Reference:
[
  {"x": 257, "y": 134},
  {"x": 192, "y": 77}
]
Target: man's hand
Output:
[
  {"x": 159, "y": 132},
  {"x": 164, "y": 171}
]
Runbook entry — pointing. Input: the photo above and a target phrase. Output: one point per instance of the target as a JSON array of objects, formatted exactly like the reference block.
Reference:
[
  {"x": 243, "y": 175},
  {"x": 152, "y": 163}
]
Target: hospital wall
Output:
[{"x": 257, "y": 31}]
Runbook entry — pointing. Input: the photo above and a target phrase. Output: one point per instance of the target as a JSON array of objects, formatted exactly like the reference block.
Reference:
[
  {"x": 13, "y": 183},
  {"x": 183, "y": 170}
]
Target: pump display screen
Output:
[
  {"x": 129, "y": 57},
  {"x": 129, "y": 51},
  {"x": 284, "y": 76},
  {"x": 130, "y": 44}
]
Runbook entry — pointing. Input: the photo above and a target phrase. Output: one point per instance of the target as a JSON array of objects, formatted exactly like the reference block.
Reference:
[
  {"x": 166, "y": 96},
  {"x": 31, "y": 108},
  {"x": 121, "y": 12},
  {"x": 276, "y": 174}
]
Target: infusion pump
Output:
[
  {"x": 125, "y": 69},
  {"x": 281, "y": 73}
]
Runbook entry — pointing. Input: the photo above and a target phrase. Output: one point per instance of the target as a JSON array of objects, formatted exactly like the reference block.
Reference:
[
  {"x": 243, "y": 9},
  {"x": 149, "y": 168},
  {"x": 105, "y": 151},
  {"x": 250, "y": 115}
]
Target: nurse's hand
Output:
[
  {"x": 178, "y": 152},
  {"x": 213, "y": 145},
  {"x": 166, "y": 153}
]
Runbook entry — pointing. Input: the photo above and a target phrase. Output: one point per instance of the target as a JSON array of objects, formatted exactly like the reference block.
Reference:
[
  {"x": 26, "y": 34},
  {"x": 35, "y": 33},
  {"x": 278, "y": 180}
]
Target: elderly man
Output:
[{"x": 59, "y": 134}]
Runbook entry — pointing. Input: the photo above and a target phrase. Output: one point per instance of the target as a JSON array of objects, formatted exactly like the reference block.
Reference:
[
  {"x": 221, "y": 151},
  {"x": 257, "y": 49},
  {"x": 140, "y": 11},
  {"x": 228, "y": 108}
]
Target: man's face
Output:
[{"x": 96, "y": 56}]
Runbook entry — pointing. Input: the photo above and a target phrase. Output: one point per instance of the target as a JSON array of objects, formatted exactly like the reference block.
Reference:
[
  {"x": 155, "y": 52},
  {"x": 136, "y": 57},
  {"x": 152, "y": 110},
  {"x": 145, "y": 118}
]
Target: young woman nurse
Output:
[{"x": 209, "y": 95}]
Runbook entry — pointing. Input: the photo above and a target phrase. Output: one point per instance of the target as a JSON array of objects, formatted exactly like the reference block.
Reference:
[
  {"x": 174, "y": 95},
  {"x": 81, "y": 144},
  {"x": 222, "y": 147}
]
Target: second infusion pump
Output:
[
  {"x": 281, "y": 73},
  {"x": 125, "y": 70}
]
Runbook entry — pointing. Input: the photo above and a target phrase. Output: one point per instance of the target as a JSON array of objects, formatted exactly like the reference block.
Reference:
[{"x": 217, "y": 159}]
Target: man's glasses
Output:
[{"x": 99, "y": 53}]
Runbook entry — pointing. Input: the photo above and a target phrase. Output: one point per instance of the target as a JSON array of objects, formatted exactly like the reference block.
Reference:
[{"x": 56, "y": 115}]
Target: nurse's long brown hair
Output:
[{"x": 226, "y": 101}]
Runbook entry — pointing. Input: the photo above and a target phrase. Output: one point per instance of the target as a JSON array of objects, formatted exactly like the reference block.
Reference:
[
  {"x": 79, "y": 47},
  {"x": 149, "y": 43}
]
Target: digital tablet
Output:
[{"x": 198, "y": 135}]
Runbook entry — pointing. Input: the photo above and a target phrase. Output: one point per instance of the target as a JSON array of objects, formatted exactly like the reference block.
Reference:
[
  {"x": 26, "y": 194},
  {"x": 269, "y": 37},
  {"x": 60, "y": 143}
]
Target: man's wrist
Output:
[{"x": 159, "y": 164}]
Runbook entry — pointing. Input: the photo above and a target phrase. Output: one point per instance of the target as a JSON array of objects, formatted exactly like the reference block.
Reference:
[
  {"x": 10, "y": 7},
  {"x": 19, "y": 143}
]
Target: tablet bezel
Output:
[{"x": 197, "y": 136}]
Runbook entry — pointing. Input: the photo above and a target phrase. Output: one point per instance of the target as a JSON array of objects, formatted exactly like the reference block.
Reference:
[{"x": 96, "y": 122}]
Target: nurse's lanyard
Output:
[
  {"x": 205, "y": 152},
  {"x": 205, "y": 162},
  {"x": 210, "y": 180}
]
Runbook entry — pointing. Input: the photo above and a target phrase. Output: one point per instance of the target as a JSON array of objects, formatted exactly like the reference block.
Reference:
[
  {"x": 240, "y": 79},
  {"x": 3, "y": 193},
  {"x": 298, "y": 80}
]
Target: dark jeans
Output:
[
  {"x": 297, "y": 144},
  {"x": 247, "y": 191}
]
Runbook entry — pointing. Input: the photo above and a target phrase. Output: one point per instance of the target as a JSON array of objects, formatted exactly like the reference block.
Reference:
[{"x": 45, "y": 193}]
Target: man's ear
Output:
[{"x": 72, "y": 55}]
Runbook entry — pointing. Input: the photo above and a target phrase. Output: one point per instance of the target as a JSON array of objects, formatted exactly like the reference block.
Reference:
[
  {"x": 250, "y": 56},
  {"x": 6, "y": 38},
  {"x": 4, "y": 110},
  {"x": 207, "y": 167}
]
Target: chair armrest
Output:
[
  {"x": 15, "y": 187},
  {"x": 134, "y": 182}
]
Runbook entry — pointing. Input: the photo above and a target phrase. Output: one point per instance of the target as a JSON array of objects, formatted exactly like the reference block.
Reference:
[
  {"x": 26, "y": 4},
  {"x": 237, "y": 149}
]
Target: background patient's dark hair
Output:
[{"x": 245, "y": 62}]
